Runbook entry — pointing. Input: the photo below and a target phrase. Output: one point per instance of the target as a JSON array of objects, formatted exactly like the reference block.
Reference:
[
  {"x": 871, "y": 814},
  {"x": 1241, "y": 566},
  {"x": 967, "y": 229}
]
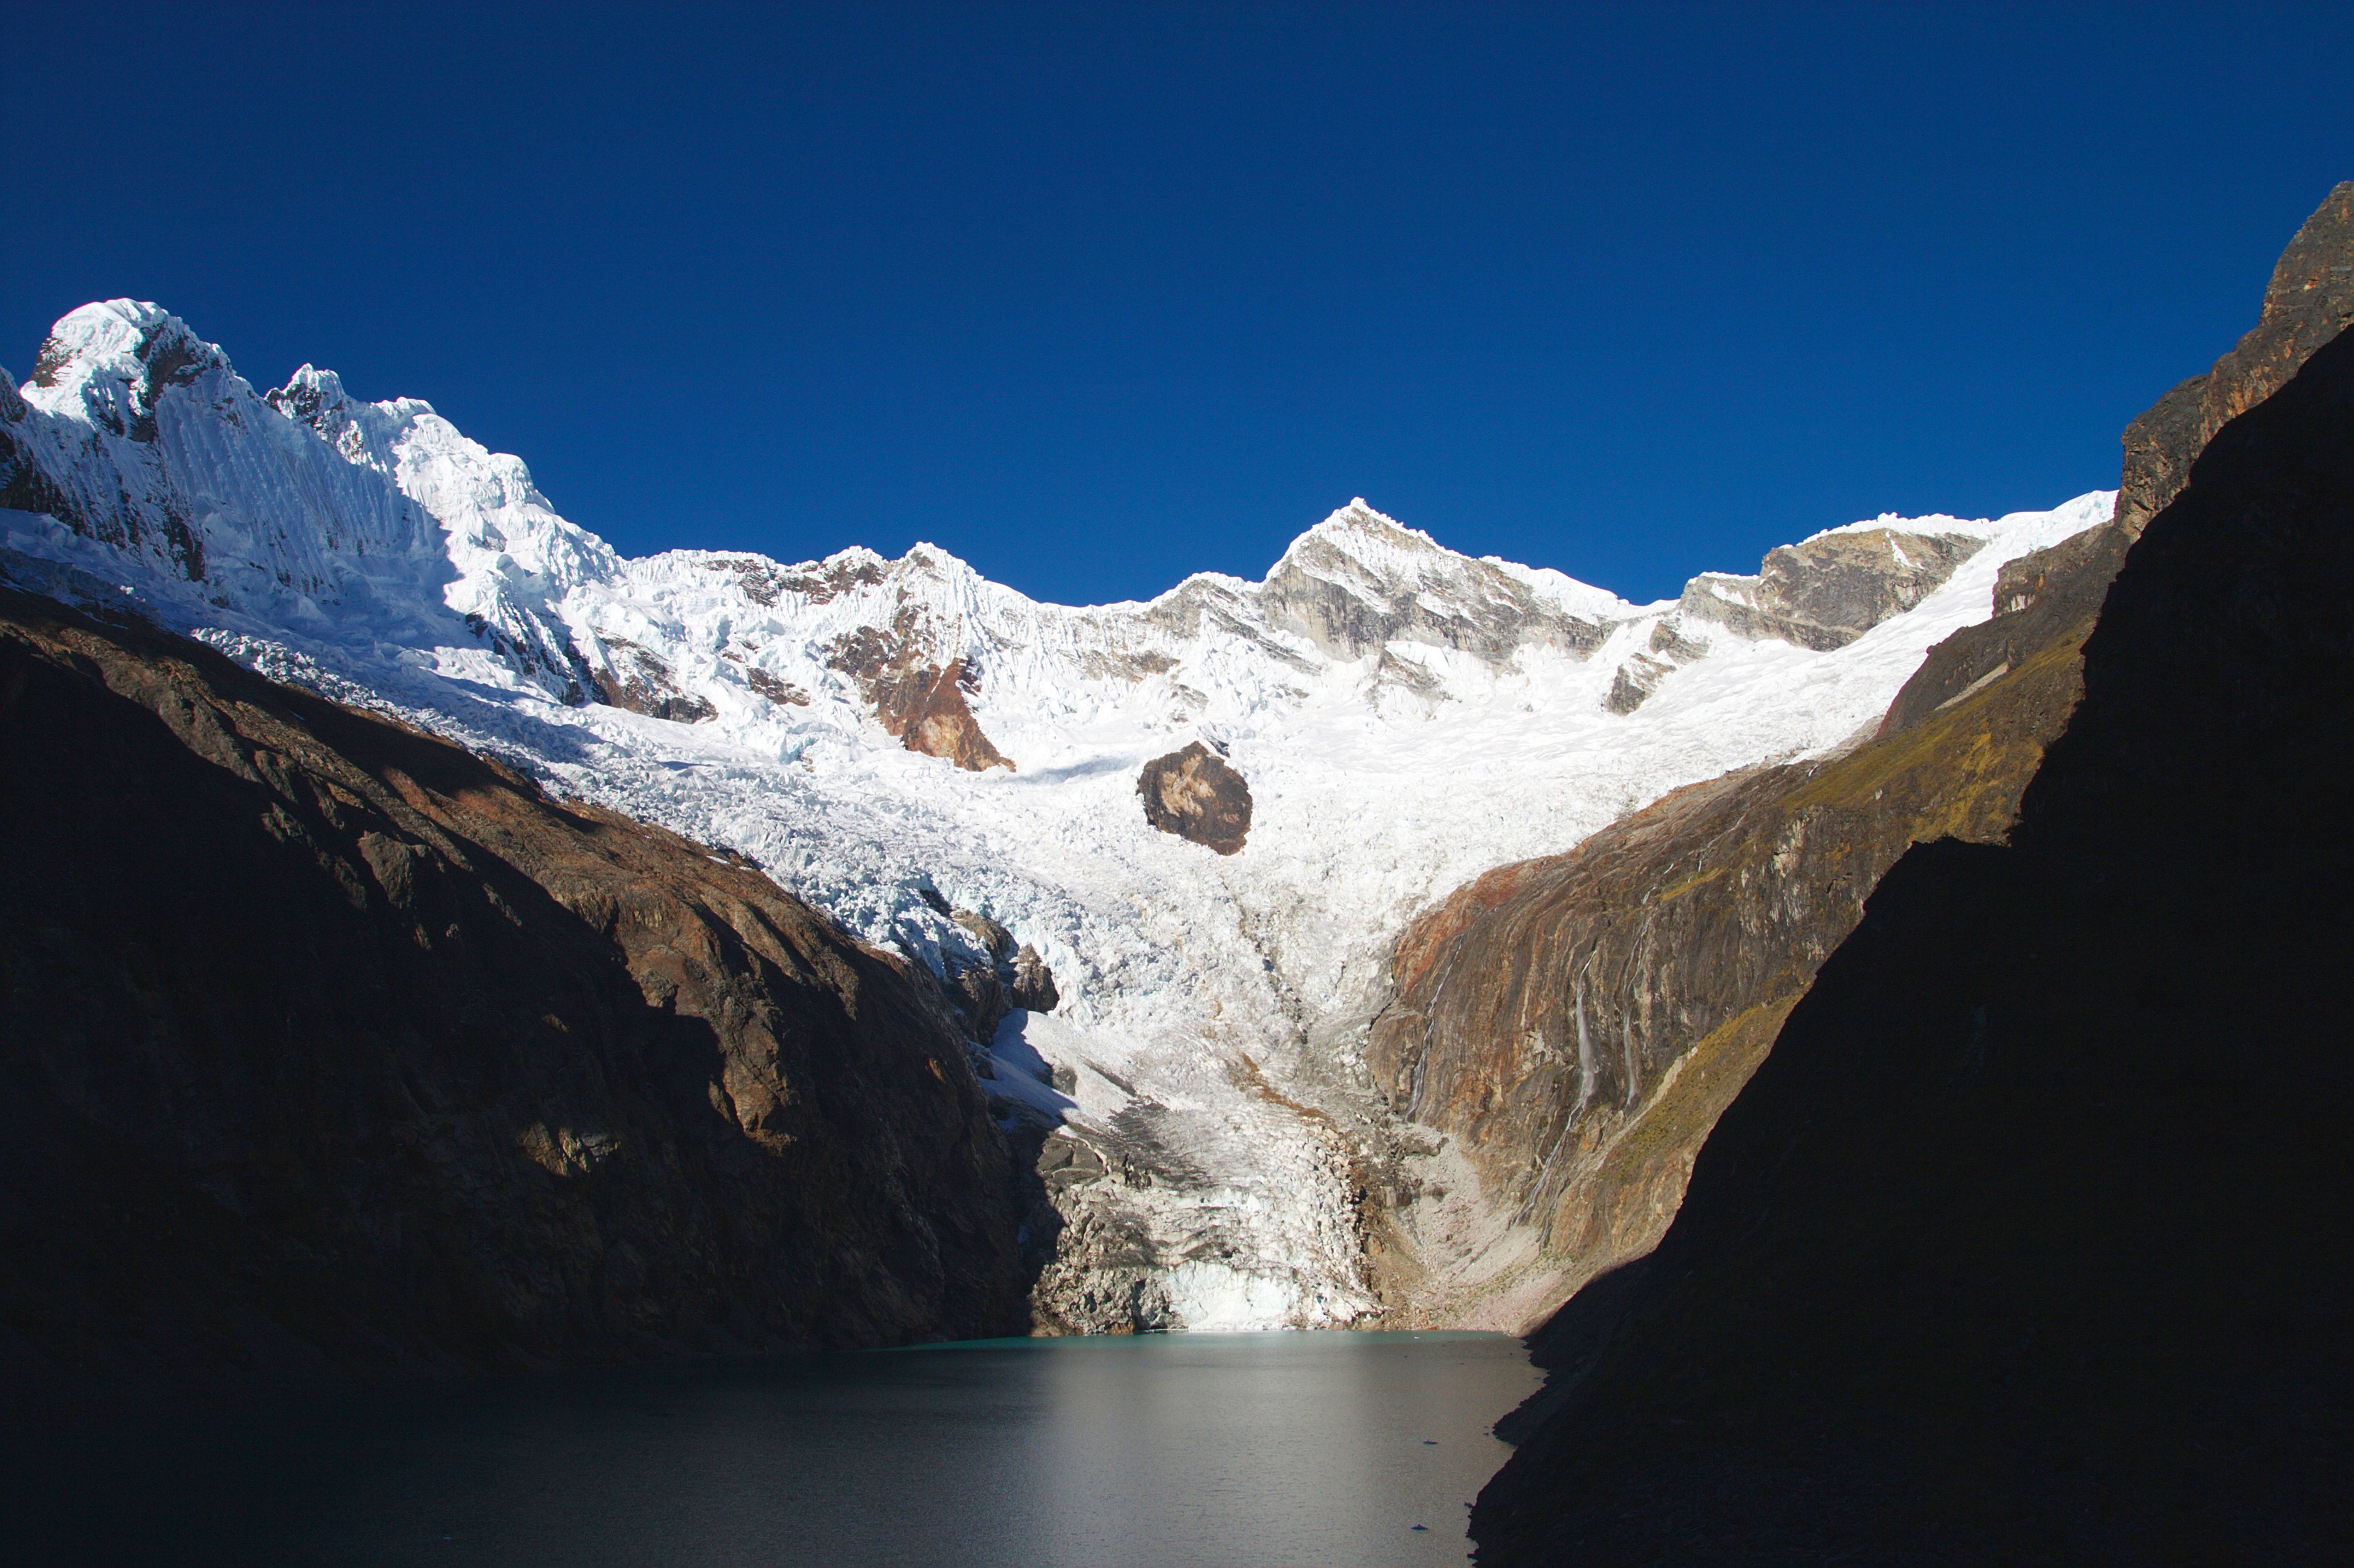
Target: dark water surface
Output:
[{"x": 1159, "y": 1450}]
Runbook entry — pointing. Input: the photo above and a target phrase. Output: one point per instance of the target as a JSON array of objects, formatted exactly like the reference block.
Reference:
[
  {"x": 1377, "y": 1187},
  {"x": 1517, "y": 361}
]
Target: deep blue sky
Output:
[{"x": 1100, "y": 295}]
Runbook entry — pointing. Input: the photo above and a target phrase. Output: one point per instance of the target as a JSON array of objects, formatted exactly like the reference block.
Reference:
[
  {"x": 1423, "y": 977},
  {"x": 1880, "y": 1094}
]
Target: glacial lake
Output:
[{"x": 1159, "y": 1451}]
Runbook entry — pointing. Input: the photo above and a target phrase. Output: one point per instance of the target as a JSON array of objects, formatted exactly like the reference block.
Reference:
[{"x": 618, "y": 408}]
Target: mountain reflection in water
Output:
[{"x": 1290, "y": 1448}]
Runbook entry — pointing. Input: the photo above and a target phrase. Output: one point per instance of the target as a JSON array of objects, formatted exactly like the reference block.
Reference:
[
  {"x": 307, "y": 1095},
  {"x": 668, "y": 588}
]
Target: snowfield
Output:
[{"x": 1406, "y": 716}]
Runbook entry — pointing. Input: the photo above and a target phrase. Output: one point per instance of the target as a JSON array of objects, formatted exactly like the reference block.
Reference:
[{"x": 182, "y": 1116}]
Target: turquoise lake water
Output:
[{"x": 1161, "y": 1450}]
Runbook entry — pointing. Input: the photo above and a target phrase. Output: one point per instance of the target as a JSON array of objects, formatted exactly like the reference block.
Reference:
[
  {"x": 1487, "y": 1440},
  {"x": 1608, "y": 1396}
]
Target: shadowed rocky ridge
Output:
[
  {"x": 1577, "y": 1023},
  {"x": 2309, "y": 301},
  {"x": 2028, "y": 1241},
  {"x": 328, "y": 1048}
]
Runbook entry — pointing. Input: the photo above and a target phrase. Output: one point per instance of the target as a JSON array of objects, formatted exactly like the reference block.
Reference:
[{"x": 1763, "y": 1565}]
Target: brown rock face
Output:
[
  {"x": 927, "y": 709},
  {"x": 981, "y": 994},
  {"x": 1194, "y": 794},
  {"x": 994, "y": 939},
  {"x": 921, "y": 702},
  {"x": 327, "y": 1047},
  {"x": 764, "y": 582},
  {"x": 776, "y": 688},
  {"x": 1578, "y": 1023}
]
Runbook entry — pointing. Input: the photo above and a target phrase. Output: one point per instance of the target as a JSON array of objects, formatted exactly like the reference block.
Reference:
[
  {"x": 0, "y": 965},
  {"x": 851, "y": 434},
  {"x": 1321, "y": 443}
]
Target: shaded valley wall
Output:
[
  {"x": 2028, "y": 1241},
  {"x": 328, "y": 1047},
  {"x": 1575, "y": 1024}
]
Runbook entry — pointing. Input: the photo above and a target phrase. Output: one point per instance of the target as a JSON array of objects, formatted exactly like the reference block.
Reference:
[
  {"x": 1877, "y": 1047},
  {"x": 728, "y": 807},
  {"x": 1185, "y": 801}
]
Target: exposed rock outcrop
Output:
[
  {"x": 1358, "y": 582},
  {"x": 1831, "y": 590},
  {"x": 642, "y": 683},
  {"x": 776, "y": 688},
  {"x": 1637, "y": 679},
  {"x": 1577, "y": 1023},
  {"x": 1821, "y": 594},
  {"x": 994, "y": 939},
  {"x": 2028, "y": 1241},
  {"x": 926, "y": 707},
  {"x": 1196, "y": 795},
  {"x": 916, "y": 697},
  {"x": 1102, "y": 1267},
  {"x": 1032, "y": 989},
  {"x": 764, "y": 582},
  {"x": 1671, "y": 643},
  {"x": 328, "y": 1047},
  {"x": 980, "y": 991}
]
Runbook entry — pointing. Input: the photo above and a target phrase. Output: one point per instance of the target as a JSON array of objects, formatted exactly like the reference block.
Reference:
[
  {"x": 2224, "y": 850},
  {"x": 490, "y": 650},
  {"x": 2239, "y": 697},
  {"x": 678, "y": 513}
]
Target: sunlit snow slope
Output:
[{"x": 1404, "y": 717}]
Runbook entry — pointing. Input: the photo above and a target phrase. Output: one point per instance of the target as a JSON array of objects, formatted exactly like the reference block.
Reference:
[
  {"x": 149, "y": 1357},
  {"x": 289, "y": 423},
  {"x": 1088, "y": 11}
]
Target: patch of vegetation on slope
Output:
[{"x": 1579, "y": 1021}]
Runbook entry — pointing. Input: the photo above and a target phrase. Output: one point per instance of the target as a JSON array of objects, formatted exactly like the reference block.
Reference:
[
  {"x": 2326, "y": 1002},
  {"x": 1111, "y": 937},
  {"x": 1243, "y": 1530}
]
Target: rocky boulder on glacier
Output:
[{"x": 1196, "y": 795}]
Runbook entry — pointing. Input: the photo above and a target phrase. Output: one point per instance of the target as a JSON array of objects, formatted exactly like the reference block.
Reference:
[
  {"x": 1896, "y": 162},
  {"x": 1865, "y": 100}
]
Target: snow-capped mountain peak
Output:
[
  {"x": 1389, "y": 717},
  {"x": 1382, "y": 543},
  {"x": 112, "y": 359}
]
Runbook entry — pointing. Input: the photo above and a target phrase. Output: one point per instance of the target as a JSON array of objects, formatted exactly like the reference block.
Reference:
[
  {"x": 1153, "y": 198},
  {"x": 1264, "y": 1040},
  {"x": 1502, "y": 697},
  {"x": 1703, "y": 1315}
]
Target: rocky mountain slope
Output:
[
  {"x": 2026, "y": 1242},
  {"x": 1576, "y": 1023},
  {"x": 328, "y": 1047},
  {"x": 895, "y": 741}
]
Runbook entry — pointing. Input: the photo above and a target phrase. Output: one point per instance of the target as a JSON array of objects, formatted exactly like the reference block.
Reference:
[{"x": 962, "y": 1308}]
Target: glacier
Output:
[{"x": 1406, "y": 716}]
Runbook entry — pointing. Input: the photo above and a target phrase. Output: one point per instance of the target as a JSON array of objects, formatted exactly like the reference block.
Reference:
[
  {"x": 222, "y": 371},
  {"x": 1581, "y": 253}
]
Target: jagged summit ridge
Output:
[
  {"x": 117, "y": 356},
  {"x": 1354, "y": 580}
]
